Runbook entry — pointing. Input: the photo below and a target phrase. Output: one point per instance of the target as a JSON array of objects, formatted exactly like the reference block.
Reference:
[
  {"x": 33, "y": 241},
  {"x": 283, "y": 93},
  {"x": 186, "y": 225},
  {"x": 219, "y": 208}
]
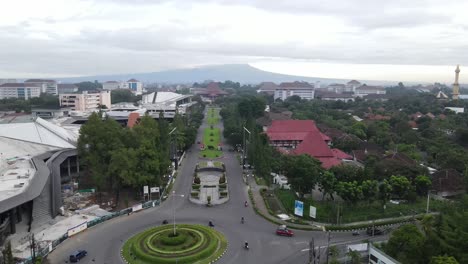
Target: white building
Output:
[
  {"x": 167, "y": 102},
  {"x": 2, "y": 81},
  {"x": 457, "y": 110},
  {"x": 352, "y": 85},
  {"x": 133, "y": 85},
  {"x": 48, "y": 86},
  {"x": 302, "y": 89},
  {"x": 86, "y": 101},
  {"x": 20, "y": 90},
  {"x": 66, "y": 88},
  {"x": 364, "y": 90}
]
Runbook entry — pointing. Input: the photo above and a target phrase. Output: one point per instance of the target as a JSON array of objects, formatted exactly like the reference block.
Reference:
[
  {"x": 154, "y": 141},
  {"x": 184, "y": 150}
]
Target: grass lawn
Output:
[
  {"x": 211, "y": 137},
  {"x": 327, "y": 210},
  {"x": 212, "y": 116},
  {"x": 204, "y": 164}
]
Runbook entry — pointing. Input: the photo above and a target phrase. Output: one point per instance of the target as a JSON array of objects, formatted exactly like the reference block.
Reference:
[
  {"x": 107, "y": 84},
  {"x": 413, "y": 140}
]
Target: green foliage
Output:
[
  {"x": 400, "y": 186},
  {"x": 422, "y": 183},
  {"x": 20, "y": 105},
  {"x": 443, "y": 260},
  {"x": 89, "y": 86},
  {"x": 355, "y": 257},
  {"x": 406, "y": 244},
  {"x": 7, "y": 254},
  {"x": 303, "y": 172},
  {"x": 123, "y": 95},
  {"x": 327, "y": 183},
  {"x": 350, "y": 191}
]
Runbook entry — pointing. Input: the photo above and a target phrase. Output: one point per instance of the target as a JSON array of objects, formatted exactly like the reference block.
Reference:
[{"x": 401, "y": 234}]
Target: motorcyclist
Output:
[
  {"x": 210, "y": 223},
  {"x": 246, "y": 245},
  {"x": 242, "y": 220},
  {"x": 245, "y": 203}
]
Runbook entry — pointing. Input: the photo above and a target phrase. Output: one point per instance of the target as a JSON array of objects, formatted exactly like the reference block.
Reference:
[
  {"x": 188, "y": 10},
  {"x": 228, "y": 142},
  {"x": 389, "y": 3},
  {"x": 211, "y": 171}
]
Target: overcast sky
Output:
[{"x": 407, "y": 40}]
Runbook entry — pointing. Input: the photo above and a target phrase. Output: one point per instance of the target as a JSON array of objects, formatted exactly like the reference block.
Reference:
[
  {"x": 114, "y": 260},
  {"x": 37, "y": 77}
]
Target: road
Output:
[{"x": 104, "y": 241}]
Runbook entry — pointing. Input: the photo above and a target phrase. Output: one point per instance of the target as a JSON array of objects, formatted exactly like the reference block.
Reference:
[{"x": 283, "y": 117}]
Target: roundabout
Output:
[{"x": 184, "y": 244}]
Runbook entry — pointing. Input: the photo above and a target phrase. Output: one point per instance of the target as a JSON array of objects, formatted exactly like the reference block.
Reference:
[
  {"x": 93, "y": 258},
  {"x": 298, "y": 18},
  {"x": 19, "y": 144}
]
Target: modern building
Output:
[
  {"x": 364, "y": 90},
  {"x": 85, "y": 101},
  {"x": 20, "y": 90},
  {"x": 296, "y": 137},
  {"x": 267, "y": 87},
  {"x": 48, "y": 86},
  {"x": 133, "y": 85},
  {"x": 36, "y": 158},
  {"x": 64, "y": 88},
  {"x": 2, "y": 81},
  {"x": 302, "y": 89}
]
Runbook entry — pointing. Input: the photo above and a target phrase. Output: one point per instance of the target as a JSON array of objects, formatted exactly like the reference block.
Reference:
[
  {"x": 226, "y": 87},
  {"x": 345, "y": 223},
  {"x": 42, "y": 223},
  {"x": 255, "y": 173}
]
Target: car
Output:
[
  {"x": 374, "y": 231},
  {"x": 77, "y": 255},
  {"x": 356, "y": 233},
  {"x": 282, "y": 230}
]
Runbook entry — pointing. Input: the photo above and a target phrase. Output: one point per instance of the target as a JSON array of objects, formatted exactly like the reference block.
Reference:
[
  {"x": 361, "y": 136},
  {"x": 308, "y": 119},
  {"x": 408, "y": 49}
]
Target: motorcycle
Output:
[
  {"x": 242, "y": 220},
  {"x": 211, "y": 224},
  {"x": 246, "y": 246},
  {"x": 246, "y": 204}
]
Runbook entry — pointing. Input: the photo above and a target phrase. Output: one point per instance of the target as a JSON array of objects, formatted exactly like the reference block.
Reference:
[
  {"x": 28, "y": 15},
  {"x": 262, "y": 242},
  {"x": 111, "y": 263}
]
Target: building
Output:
[
  {"x": 377, "y": 256},
  {"x": 20, "y": 90},
  {"x": 48, "y": 86},
  {"x": 336, "y": 88},
  {"x": 211, "y": 92},
  {"x": 333, "y": 96},
  {"x": 352, "y": 85},
  {"x": 296, "y": 137},
  {"x": 49, "y": 113},
  {"x": 457, "y": 110},
  {"x": 364, "y": 90},
  {"x": 167, "y": 103},
  {"x": 448, "y": 183},
  {"x": 135, "y": 86},
  {"x": 302, "y": 89},
  {"x": 64, "y": 88},
  {"x": 267, "y": 87},
  {"x": 456, "y": 86},
  {"x": 2, "y": 81},
  {"x": 36, "y": 158},
  {"x": 85, "y": 101}
]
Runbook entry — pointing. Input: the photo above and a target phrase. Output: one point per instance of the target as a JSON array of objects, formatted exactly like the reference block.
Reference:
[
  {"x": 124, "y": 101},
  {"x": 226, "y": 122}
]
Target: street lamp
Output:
[
  {"x": 428, "y": 198},
  {"x": 173, "y": 206},
  {"x": 244, "y": 143}
]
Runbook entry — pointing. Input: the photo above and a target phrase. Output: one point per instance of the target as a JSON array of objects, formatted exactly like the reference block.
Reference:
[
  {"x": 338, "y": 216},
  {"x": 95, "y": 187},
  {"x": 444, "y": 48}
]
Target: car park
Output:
[
  {"x": 78, "y": 255},
  {"x": 282, "y": 230}
]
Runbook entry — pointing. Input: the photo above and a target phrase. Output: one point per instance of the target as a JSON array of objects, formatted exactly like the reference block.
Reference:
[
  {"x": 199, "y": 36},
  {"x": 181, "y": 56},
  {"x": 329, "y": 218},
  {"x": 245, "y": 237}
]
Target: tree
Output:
[
  {"x": 327, "y": 183},
  {"x": 443, "y": 260},
  {"x": 303, "y": 172},
  {"x": 385, "y": 191},
  {"x": 349, "y": 191},
  {"x": 422, "y": 184},
  {"x": 400, "y": 186},
  {"x": 122, "y": 95},
  {"x": 369, "y": 190},
  {"x": 355, "y": 256},
  {"x": 7, "y": 254},
  {"x": 88, "y": 86},
  {"x": 405, "y": 244}
]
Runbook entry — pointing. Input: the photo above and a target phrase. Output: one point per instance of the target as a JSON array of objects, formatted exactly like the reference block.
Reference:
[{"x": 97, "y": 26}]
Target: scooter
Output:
[
  {"x": 211, "y": 224},
  {"x": 242, "y": 220},
  {"x": 246, "y": 246},
  {"x": 246, "y": 204}
]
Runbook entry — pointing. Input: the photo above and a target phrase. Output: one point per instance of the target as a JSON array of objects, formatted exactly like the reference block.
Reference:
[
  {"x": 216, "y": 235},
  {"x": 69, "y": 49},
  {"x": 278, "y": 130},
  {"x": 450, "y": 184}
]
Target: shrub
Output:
[
  {"x": 196, "y": 186},
  {"x": 196, "y": 180},
  {"x": 222, "y": 179},
  {"x": 211, "y": 134}
]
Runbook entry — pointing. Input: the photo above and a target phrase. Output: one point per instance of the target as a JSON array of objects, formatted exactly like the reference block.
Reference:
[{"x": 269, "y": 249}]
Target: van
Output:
[{"x": 77, "y": 255}]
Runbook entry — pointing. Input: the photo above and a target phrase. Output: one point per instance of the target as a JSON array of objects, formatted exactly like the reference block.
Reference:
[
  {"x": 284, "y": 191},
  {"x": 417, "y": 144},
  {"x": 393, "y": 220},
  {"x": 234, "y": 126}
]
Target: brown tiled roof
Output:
[
  {"x": 447, "y": 181},
  {"x": 401, "y": 157},
  {"x": 19, "y": 85},
  {"x": 267, "y": 86},
  {"x": 296, "y": 85},
  {"x": 353, "y": 82},
  {"x": 39, "y": 80}
]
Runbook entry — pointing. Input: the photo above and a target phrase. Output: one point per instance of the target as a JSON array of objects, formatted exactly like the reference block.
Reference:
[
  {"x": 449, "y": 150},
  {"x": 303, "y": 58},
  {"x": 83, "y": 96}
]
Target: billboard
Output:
[
  {"x": 298, "y": 208},
  {"x": 145, "y": 189},
  {"x": 154, "y": 189},
  {"x": 313, "y": 212}
]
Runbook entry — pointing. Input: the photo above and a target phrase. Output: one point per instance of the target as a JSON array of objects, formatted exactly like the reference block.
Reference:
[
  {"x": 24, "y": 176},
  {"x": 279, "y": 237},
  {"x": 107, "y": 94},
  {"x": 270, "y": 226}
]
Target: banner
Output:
[
  {"x": 313, "y": 212},
  {"x": 298, "y": 208},
  {"x": 145, "y": 189},
  {"x": 154, "y": 189},
  {"x": 75, "y": 230}
]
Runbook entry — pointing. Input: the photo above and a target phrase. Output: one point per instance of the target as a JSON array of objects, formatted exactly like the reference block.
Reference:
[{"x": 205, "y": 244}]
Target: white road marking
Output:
[{"x": 305, "y": 249}]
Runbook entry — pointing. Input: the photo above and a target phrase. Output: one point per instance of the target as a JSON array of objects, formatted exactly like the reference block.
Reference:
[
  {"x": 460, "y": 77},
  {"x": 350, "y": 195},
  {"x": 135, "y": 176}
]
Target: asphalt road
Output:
[{"x": 104, "y": 241}]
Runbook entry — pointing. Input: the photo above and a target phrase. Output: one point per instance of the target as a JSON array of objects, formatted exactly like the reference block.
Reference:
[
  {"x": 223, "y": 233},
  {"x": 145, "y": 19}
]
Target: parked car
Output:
[
  {"x": 375, "y": 232},
  {"x": 356, "y": 233},
  {"x": 282, "y": 230},
  {"x": 77, "y": 255}
]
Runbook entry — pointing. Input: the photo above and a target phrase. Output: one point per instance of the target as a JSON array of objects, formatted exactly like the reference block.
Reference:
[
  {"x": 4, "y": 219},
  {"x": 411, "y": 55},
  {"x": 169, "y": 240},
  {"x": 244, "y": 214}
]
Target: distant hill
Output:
[{"x": 242, "y": 73}]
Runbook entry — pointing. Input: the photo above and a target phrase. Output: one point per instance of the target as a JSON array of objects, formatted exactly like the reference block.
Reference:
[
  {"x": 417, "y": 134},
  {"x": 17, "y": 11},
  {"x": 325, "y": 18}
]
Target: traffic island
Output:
[{"x": 190, "y": 244}]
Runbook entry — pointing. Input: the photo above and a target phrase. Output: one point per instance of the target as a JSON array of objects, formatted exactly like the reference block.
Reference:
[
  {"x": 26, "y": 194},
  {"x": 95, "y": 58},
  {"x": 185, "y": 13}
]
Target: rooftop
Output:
[
  {"x": 19, "y": 85},
  {"x": 40, "y": 81}
]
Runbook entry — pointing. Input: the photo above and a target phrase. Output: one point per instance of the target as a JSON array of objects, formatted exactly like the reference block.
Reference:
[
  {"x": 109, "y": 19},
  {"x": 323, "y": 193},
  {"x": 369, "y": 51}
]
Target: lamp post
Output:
[
  {"x": 173, "y": 207},
  {"x": 244, "y": 149},
  {"x": 428, "y": 199},
  {"x": 173, "y": 149}
]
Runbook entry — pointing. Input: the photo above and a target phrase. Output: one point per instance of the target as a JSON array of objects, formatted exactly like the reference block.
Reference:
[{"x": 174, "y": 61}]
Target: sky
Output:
[{"x": 417, "y": 40}]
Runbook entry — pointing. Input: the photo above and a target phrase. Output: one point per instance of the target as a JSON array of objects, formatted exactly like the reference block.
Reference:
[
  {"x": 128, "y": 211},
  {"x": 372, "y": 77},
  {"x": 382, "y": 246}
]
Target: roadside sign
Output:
[
  {"x": 154, "y": 189},
  {"x": 313, "y": 212},
  {"x": 298, "y": 208},
  {"x": 145, "y": 189}
]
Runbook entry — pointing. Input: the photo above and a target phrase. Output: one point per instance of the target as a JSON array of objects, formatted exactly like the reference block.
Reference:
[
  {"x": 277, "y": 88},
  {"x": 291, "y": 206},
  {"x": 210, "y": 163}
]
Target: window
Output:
[{"x": 374, "y": 258}]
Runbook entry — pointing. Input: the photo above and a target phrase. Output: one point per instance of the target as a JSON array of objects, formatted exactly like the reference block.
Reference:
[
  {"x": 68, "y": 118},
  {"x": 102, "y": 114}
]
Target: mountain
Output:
[{"x": 242, "y": 73}]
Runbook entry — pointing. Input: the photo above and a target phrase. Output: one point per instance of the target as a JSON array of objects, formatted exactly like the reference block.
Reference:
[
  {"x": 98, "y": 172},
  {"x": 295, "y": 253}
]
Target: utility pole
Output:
[
  {"x": 311, "y": 251},
  {"x": 328, "y": 246}
]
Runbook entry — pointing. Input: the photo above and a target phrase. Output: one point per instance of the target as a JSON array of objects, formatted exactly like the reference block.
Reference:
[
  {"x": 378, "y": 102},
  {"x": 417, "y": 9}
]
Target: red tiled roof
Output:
[
  {"x": 325, "y": 137},
  {"x": 327, "y": 163},
  {"x": 132, "y": 119},
  {"x": 292, "y": 126},
  {"x": 314, "y": 145},
  {"x": 341, "y": 155}
]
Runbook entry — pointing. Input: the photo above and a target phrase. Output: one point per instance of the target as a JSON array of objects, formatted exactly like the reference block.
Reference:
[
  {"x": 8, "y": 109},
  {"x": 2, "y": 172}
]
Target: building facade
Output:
[
  {"x": 85, "y": 101},
  {"x": 67, "y": 88},
  {"x": 366, "y": 90},
  {"x": 47, "y": 86},
  {"x": 302, "y": 89},
  {"x": 20, "y": 90},
  {"x": 133, "y": 85}
]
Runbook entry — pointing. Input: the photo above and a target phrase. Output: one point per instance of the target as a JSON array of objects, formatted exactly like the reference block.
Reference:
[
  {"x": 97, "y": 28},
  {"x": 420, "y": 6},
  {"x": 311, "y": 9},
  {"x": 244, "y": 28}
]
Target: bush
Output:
[
  {"x": 211, "y": 134},
  {"x": 222, "y": 179},
  {"x": 196, "y": 180},
  {"x": 171, "y": 240},
  {"x": 196, "y": 186}
]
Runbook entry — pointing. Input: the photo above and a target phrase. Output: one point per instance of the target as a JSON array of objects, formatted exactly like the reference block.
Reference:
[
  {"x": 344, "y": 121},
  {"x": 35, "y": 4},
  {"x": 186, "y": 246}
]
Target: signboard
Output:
[
  {"x": 298, "y": 208},
  {"x": 137, "y": 207},
  {"x": 313, "y": 212},
  {"x": 145, "y": 189},
  {"x": 154, "y": 189},
  {"x": 75, "y": 230}
]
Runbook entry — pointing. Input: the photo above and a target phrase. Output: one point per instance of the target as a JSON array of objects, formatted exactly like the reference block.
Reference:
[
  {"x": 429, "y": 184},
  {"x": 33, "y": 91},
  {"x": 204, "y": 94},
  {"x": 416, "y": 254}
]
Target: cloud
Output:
[{"x": 119, "y": 36}]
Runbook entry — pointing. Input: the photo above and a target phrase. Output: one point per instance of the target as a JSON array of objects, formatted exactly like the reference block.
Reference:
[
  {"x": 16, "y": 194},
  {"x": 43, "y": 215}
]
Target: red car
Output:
[{"x": 282, "y": 230}]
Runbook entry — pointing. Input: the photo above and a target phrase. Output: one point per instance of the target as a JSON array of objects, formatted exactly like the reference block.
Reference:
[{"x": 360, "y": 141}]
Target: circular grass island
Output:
[{"x": 190, "y": 244}]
